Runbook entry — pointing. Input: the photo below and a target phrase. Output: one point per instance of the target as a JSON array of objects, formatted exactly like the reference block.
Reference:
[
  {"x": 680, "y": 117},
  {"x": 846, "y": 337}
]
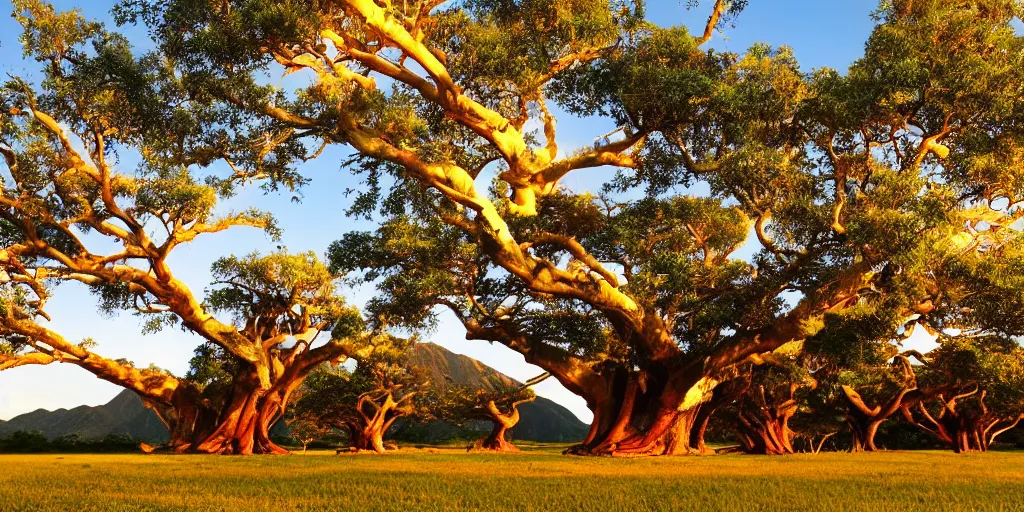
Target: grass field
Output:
[{"x": 538, "y": 479}]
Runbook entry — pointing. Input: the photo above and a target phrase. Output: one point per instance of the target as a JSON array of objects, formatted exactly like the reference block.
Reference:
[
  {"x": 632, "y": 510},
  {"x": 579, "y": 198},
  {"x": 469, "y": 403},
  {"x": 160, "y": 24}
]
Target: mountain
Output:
[
  {"x": 125, "y": 414},
  {"x": 541, "y": 420}
]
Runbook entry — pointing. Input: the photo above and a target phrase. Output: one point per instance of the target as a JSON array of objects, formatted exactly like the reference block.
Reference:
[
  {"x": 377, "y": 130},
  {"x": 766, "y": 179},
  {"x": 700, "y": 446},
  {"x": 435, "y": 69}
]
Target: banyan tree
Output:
[{"x": 884, "y": 190}]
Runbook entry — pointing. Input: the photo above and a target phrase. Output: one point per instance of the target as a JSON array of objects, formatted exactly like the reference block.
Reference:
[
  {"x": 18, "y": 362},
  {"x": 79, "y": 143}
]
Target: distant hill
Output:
[
  {"x": 541, "y": 420},
  {"x": 125, "y": 414}
]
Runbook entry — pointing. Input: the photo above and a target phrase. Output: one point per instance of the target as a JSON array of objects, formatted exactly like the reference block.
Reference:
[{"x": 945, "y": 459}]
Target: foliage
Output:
[
  {"x": 35, "y": 442},
  {"x": 459, "y": 405},
  {"x": 886, "y": 193}
]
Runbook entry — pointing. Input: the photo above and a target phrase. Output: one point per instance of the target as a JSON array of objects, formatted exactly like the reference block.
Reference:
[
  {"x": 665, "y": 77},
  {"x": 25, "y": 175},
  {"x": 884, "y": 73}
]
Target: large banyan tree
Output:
[
  {"x": 869, "y": 190},
  {"x": 68, "y": 215},
  {"x": 885, "y": 191}
]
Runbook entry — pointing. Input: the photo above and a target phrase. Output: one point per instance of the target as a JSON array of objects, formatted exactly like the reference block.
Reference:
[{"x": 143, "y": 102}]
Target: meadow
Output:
[{"x": 537, "y": 479}]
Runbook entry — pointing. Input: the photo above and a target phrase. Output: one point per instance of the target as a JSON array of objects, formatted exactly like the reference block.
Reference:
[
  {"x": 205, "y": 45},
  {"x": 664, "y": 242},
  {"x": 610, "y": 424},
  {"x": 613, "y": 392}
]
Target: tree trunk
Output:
[
  {"x": 678, "y": 439},
  {"x": 368, "y": 434},
  {"x": 723, "y": 394},
  {"x": 963, "y": 430},
  {"x": 864, "y": 421},
  {"x": 764, "y": 430},
  {"x": 700, "y": 428},
  {"x": 653, "y": 419},
  {"x": 242, "y": 427},
  {"x": 366, "y": 438},
  {"x": 864, "y": 431},
  {"x": 764, "y": 436},
  {"x": 495, "y": 441}
]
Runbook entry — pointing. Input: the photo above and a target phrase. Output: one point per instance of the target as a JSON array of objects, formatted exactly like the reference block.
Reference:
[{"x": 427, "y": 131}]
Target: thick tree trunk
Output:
[
  {"x": 237, "y": 428},
  {"x": 764, "y": 435},
  {"x": 366, "y": 438},
  {"x": 376, "y": 420},
  {"x": 495, "y": 441},
  {"x": 763, "y": 428},
  {"x": 678, "y": 440},
  {"x": 653, "y": 419},
  {"x": 242, "y": 427},
  {"x": 864, "y": 431}
]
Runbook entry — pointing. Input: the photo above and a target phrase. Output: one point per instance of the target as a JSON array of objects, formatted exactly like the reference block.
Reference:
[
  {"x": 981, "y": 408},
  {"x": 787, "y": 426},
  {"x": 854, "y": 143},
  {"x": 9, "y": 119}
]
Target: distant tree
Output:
[
  {"x": 977, "y": 392},
  {"x": 365, "y": 401},
  {"x": 862, "y": 374},
  {"x": 775, "y": 391},
  {"x": 24, "y": 441},
  {"x": 306, "y": 428},
  {"x": 498, "y": 403},
  {"x": 884, "y": 387}
]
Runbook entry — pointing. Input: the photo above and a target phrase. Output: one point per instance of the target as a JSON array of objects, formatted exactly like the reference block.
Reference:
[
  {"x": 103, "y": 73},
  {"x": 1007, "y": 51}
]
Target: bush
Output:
[{"x": 24, "y": 441}]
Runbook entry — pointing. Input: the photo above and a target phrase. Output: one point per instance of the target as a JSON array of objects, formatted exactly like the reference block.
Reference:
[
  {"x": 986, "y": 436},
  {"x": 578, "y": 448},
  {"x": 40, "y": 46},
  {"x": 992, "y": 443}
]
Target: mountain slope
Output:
[
  {"x": 125, "y": 414},
  {"x": 541, "y": 420}
]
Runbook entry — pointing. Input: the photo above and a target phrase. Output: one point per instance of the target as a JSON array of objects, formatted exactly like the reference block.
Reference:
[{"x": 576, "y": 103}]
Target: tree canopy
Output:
[{"x": 884, "y": 194}]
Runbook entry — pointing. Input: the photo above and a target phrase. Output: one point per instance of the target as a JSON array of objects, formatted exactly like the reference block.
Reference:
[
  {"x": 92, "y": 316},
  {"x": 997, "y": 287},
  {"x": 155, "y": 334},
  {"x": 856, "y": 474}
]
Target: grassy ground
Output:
[{"x": 538, "y": 479}]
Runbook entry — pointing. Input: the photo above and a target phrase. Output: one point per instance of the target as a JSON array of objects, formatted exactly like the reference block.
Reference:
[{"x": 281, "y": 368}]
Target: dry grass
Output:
[{"x": 540, "y": 479}]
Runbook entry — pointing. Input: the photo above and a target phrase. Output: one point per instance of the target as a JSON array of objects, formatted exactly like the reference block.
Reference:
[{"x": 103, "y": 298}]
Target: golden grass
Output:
[{"x": 539, "y": 479}]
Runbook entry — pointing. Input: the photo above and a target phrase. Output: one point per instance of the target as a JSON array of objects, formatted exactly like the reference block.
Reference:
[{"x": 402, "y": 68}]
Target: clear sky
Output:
[{"x": 823, "y": 33}]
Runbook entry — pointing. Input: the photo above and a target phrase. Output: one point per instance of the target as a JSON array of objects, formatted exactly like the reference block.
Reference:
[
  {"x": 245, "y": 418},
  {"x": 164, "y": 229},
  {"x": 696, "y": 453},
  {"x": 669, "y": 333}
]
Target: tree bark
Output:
[
  {"x": 366, "y": 438},
  {"x": 763, "y": 422},
  {"x": 495, "y": 441},
  {"x": 375, "y": 419},
  {"x": 722, "y": 395},
  {"x": 243, "y": 427},
  {"x": 962, "y": 429},
  {"x": 864, "y": 421},
  {"x": 240, "y": 427},
  {"x": 764, "y": 435},
  {"x": 652, "y": 418},
  {"x": 634, "y": 408}
]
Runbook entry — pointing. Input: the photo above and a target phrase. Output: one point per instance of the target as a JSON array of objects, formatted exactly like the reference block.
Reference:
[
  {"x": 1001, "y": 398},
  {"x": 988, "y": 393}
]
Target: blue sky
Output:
[{"x": 823, "y": 33}]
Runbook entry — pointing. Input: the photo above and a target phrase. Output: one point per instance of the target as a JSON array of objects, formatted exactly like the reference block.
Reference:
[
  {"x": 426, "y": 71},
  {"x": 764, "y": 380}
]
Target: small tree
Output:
[
  {"x": 498, "y": 403},
  {"x": 367, "y": 400},
  {"x": 306, "y": 428}
]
